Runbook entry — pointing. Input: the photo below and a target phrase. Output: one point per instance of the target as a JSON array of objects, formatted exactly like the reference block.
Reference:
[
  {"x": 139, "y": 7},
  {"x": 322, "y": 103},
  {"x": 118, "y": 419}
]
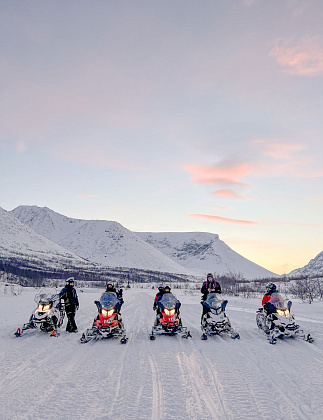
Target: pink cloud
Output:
[
  {"x": 222, "y": 219},
  {"x": 304, "y": 59},
  {"x": 228, "y": 194},
  {"x": 249, "y": 3},
  {"x": 222, "y": 173},
  {"x": 279, "y": 150}
]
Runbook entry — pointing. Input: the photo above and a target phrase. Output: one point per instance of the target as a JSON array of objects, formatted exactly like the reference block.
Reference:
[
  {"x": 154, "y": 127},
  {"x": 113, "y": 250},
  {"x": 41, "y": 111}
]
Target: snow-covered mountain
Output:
[
  {"x": 109, "y": 243},
  {"x": 104, "y": 242},
  {"x": 313, "y": 268},
  {"x": 18, "y": 241},
  {"x": 204, "y": 252}
]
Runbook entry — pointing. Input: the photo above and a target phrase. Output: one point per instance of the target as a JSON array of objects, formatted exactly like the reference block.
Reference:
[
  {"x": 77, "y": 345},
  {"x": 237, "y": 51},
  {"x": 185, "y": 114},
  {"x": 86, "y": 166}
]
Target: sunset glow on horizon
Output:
[{"x": 170, "y": 116}]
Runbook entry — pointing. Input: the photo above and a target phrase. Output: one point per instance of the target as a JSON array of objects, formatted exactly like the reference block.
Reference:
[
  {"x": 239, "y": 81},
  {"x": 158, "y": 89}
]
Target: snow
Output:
[
  {"x": 169, "y": 378},
  {"x": 204, "y": 252},
  {"x": 17, "y": 240},
  {"x": 100, "y": 241},
  {"x": 111, "y": 244},
  {"x": 313, "y": 268}
]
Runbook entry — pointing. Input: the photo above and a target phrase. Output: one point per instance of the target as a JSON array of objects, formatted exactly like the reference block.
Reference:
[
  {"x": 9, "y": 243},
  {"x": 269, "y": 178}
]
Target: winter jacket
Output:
[
  {"x": 266, "y": 298},
  {"x": 117, "y": 292},
  {"x": 210, "y": 285},
  {"x": 69, "y": 295}
]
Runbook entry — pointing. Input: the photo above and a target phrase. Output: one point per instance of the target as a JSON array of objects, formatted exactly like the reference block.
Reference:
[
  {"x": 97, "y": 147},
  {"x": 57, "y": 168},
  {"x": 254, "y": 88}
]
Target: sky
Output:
[{"x": 168, "y": 116}]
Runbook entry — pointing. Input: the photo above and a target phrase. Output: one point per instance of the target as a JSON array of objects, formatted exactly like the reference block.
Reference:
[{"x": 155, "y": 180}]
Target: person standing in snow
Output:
[{"x": 69, "y": 295}]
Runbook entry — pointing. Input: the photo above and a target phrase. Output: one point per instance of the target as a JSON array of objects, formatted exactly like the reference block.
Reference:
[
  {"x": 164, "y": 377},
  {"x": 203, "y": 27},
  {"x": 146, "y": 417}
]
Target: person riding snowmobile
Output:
[
  {"x": 210, "y": 285},
  {"x": 158, "y": 298},
  {"x": 69, "y": 295},
  {"x": 111, "y": 288},
  {"x": 270, "y": 289}
]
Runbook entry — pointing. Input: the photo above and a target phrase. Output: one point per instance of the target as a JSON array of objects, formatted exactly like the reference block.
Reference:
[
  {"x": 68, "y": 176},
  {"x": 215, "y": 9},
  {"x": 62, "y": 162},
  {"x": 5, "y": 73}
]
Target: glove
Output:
[
  {"x": 77, "y": 307},
  {"x": 154, "y": 306}
]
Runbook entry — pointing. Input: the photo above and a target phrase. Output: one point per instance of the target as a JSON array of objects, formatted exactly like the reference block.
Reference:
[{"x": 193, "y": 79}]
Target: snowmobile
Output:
[
  {"x": 168, "y": 320},
  {"x": 48, "y": 316},
  {"x": 108, "y": 323},
  {"x": 215, "y": 320},
  {"x": 276, "y": 320}
]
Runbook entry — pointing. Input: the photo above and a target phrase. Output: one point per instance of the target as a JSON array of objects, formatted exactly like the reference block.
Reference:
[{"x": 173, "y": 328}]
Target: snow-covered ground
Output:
[{"x": 169, "y": 378}]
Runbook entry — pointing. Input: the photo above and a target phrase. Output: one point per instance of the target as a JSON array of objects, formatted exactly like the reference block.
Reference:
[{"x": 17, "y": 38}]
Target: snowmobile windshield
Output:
[
  {"x": 168, "y": 300},
  {"x": 213, "y": 301},
  {"x": 46, "y": 295},
  {"x": 277, "y": 300},
  {"x": 108, "y": 300}
]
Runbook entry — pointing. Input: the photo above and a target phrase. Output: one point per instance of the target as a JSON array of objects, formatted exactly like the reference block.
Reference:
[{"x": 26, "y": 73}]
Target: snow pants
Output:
[{"x": 70, "y": 313}]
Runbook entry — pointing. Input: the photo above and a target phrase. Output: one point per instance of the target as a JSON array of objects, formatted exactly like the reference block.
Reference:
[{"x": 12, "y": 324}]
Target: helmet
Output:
[
  {"x": 209, "y": 275},
  {"x": 271, "y": 288},
  {"x": 166, "y": 287},
  {"x": 69, "y": 281},
  {"x": 160, "y": 288},
  {"x": 109, "y": 286}
]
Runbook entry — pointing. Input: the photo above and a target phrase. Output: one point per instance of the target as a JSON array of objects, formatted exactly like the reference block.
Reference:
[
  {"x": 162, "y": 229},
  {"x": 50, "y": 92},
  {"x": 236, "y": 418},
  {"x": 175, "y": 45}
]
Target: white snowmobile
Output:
[
  {"x": 108, "y": 323},
  {"x": 168, "y": 320},
  {"x": 49, "y": 314},
  {"x": 276, "y": 320},
  {"x": 215, "y": 320}
]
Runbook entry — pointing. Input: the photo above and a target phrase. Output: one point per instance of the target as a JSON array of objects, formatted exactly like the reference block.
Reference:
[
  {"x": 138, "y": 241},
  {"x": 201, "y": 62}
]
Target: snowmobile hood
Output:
[
  {"x": 168, "y": 300},
  {"x": 46, "y": 295},
  {"x": 108, "y": 300},
  {"x": 213, "y": 301},
  {"x": 277, "y": 300}
]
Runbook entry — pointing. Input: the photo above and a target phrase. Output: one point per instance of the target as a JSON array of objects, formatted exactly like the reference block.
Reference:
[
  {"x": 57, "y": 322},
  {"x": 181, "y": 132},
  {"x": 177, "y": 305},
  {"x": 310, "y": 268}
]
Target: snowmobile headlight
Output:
[
  {"x": 283, "y": 312},
  {"x": 169, "y": 312},
  {"x": 108, "y": 313},
  {"x": 43, "y": 308}
]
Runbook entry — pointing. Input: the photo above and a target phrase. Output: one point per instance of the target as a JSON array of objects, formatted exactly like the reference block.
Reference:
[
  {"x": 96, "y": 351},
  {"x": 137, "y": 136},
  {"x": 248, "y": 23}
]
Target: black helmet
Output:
[
  {"x": 109, "y": 286},
  {"x": 271, "y": 288},
  {"x": 161, "y": 288},
  {"x": 69, "y": 281},
  {"x": 209, "y": 275},
  {"x": 166, "y": 287}
]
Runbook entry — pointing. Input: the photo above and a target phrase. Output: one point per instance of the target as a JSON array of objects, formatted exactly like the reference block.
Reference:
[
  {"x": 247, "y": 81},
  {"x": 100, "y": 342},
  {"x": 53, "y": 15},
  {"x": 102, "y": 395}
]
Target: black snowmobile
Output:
[
  {"x": 277, "y": 322},
  {"x": 215, "y": 321}
]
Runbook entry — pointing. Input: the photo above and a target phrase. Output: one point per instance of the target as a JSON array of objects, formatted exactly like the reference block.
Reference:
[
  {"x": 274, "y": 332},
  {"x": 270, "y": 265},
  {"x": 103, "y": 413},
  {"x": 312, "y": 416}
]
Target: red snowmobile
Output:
[
  {"x": 168, "y": 320},
  {"x": 108, "y": 323}
]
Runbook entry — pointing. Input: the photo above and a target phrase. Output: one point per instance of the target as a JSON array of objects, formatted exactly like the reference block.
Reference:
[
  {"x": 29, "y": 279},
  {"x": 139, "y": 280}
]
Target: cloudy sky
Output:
[{"x": 169, "y": 116}]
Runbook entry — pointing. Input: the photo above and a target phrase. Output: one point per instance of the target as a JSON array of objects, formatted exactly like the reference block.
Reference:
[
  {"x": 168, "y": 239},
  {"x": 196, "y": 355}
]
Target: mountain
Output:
[
  {"x": 99, "y": 241},
  {"x": 204, "y": 252},
  {"x": 19, "y": 242},
  {"x": 313, "y": 268},
  {"x": 109, "y": 243}
]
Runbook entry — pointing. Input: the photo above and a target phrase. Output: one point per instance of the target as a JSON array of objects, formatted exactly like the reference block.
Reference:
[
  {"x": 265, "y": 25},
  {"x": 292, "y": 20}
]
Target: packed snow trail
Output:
[{"x": 169, "y": 378}]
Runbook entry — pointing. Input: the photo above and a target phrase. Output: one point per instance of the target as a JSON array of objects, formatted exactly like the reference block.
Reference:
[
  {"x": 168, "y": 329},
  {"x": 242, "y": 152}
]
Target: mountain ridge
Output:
[{"x": 109, "y": 243}]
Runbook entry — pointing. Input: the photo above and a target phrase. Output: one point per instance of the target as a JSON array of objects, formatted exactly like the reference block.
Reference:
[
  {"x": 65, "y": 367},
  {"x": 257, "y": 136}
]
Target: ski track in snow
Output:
[{"x": 169, "y": 378}]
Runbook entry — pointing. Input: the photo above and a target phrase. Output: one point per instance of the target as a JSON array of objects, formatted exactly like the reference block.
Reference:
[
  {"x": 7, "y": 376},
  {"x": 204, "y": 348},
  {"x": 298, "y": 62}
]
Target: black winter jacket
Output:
[
  {"x": 210, "y": 285},
  {"x": 69, "y": 295}
]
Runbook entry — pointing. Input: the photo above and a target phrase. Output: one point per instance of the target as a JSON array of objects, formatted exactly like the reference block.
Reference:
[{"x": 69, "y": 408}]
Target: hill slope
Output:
[
  {"x": 18, "y": 241},
  {"x": 99, "y": 241},
  {"x": 313, "y": 268},
  {"x": 204, "y": 252}
]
